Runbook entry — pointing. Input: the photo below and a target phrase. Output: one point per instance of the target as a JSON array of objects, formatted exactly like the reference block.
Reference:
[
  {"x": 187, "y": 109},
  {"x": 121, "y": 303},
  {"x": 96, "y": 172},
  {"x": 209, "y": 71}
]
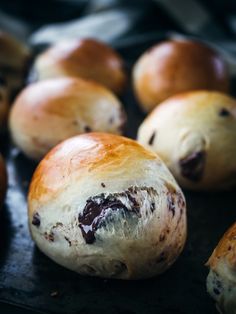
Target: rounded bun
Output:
[
  {"x": 13, "y": 60},
  {"x": 221, "y": 281},
  {"x": 85, "y": 58},
  {"x": 4, "y": 105},
  {"x": 92, "y": 213},
  {"x": 175, "y": 66},
  {"x": 195, "y": 135},
  {"x": 47, "y": 112},
  {"x": 3, "y": 180}
]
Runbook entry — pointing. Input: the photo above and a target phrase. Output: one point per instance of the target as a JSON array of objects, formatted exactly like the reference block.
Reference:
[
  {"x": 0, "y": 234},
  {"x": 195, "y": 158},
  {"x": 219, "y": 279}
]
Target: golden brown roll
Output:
[
  {"x": 50, "y": 111},
  {"x": 3, "y": 180},
  {"x": 13, "y": 60},
  {"x": 177, "y": 66},
  {"x": 195, "y": 135},
  {"x": 221, "y": 281},
  {"x": 85, "y": 58},
  {"x": 92, "y": 213}
]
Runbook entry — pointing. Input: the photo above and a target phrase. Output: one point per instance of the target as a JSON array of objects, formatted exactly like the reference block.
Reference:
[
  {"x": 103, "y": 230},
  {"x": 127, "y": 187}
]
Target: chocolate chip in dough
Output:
[
  {"x": 152, "y": 138},
  {"x": 36, "y": 220},
  {"x": 192, "y": 166},
  {"x": 224, "y": 112}
]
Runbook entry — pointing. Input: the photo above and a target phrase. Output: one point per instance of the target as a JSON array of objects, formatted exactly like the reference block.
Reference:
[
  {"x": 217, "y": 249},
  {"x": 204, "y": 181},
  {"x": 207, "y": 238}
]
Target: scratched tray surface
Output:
[{"x": 31, "y": 280}]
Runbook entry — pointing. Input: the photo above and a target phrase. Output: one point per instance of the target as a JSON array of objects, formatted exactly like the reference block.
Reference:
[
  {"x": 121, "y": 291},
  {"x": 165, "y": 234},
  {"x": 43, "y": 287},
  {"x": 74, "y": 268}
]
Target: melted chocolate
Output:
[
  {"x": 36, "y": 220},
  {"x": 192, "y": 166},
  {"x": 95, "y": 210},
  {"x": 98, "y": 208},
  {"x": 152, "y": 138}
]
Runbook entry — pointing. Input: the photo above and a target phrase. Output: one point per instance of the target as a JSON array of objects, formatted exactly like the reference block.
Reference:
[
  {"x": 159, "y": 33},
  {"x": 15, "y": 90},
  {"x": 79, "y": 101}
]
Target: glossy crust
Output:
[
  {"x": 175, "y": 66},
  {"x": 13, "y": 60},
  {"x": 221, "y": 281},
  {"x": 50, "y": 111},
  {"x": 195, "y": 134},
  {"x": 85, "y": 58},
  {"x": 142, "y": 210},
  {"x": 3, "y": 181}
]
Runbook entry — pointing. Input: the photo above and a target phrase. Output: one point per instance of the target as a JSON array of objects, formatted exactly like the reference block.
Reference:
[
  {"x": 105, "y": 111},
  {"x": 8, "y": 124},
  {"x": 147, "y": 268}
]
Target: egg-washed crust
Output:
[
  {"x": 177, "y": 66},
  {"x": 85, "y": 58},
  {"x": 49, "y": 111},
  {"x": 83, "y": 154},
  {"x": 225, "y": 250}
]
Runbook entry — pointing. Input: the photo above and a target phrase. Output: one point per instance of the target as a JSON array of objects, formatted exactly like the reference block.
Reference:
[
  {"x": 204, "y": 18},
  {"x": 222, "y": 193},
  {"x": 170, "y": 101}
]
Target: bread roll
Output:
[
  {"x": 221, "y": 281},
  {"x": 177, "y": 66},
  {"x": 84, "y": 58},
  {"x": 14, "y": 57},
  {"x": 195, "y": 135},
  {"x": 47, "y": 112},
  {"x": 102, "y": 205}
]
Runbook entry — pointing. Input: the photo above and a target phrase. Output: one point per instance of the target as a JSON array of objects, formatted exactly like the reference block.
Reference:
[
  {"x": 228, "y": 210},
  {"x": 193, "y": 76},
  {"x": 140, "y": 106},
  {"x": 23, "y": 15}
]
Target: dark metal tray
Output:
[{"x": 29, "y": 279}]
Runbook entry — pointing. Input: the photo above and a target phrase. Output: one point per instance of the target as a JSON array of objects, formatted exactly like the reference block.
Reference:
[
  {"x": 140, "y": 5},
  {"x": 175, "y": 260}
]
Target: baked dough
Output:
[
  {"x": 221, "y": 281},
  {"x": 85, "y": 58},
  {"x": 177, "y": 66},
  {"x": 195, "y": 135},
  {"x": 102, "y": 205},
  {"x": 50, "y": 111}
]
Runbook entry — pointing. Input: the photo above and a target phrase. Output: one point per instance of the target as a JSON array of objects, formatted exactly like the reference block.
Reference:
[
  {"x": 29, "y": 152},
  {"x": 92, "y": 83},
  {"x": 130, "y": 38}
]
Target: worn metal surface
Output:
[{"x": 28, "y": 278}]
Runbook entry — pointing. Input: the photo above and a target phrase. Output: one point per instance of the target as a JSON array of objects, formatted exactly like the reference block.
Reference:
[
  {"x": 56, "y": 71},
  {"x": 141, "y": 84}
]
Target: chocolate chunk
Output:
[
  {"x": 49, "y": 236},
  {"x": 192, "y": 166},
  {"x": 95, "y": 210},
  {"x": 152, "y": 207},
  {"x": 68, "y": 240},
  {"x": 98, "y": 210},
  {"x": 152, "y": 138},
  {"x": 224, "y": 112},
  {"x": 103, "y": 185},
  {"x": 36, "y": 220},
  {"x": 87, "y": 128}
]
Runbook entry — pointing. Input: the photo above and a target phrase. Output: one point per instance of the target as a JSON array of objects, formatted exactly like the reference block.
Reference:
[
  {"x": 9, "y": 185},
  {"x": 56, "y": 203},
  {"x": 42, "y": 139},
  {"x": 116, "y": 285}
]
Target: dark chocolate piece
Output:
[
  {"x": 87, "y": 128},
  {"x": 224, "y": 112},
  {"x": 152, "y": 138},
  {"x": 36, "y": 220},
  {"x": 192, "y": 166},
  {"x": 103, "y": 185},
  {"x": 68, "y": 240},
  {"x": 98, "y": 208}
]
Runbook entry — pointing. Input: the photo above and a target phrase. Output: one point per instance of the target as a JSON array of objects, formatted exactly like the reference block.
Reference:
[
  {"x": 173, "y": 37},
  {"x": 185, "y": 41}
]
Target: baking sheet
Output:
[{"x": 31, "y": 280}]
